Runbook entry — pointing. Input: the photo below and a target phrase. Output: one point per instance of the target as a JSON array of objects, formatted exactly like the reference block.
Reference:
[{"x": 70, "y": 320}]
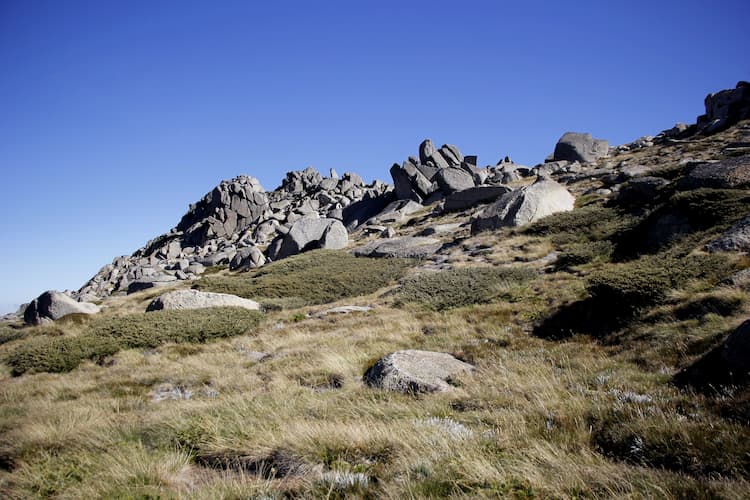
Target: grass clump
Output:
[
  {"x": 462, "y": 287},
  {"x": 106, "y": 336},
  {"x": 315, "y": 277},
  {"x": 589, "y": 223}
]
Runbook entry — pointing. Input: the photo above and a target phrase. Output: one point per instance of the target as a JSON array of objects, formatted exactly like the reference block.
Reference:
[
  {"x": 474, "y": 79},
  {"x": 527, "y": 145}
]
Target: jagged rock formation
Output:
[
  {"x": 725, "y": 108},
  {"x": 237, "y": 221},
  {"x": 52, "y": 305}
]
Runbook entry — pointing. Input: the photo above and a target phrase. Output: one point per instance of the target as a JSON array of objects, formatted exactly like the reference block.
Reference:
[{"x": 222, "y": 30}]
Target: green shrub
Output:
[
  {"x": 592, "y": 222},
  {"x": 462, "y": 287},
  {"x": 106, "y": 336},
  {"x": 315, "y": 277},
  {"x": 705, "y": 208},
  {"x": 576, "y": 254},
  {"x": 9, "y": 333}
]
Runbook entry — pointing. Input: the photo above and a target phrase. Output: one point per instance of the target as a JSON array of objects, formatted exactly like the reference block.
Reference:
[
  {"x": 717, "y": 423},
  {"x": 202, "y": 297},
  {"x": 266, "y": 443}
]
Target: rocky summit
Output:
[{"x": 575, "y": 328}]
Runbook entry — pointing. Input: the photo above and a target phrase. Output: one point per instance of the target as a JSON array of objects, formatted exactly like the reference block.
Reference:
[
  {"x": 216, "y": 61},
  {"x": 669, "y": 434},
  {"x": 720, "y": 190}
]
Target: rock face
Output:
[
  {"x": 525, "y": 205},
  {"x": 53, "y": 305},
  {"x": 195, "y": 299},
  {"x": 415, "y": 371},
  {"x": 310, "y": 233},
  {"x": 461, "y": 200},
  {"x": 725, "y": 108},
  {"x": 406, "y": 247},
  {"x": 735, "y": 239},
  {"x": 574, "y": 146},
  {"x": 732, "y": 173}
]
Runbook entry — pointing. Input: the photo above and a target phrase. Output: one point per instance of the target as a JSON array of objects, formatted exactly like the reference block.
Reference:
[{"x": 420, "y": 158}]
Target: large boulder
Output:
[
  {"x": 735, "y": 239},
  {"x": 195, "y": 299},
  {"x": 406, "y": 247},
  {"x": 53, "y": 305},
  {"x": 574, "y": 146},
  {"x": 454, "y": 179},
  {"x": 309, "y": 233},
  {"x": 467, "y": 198},
  {"x": 247, "y": 258},
  {"x": 153, "y": 281},
  {"x": 732, "y": 173},
  {"x": 725, "y": 108},
  {"x": 525, "y": 205},
  {"x": 414, "y": 372}
]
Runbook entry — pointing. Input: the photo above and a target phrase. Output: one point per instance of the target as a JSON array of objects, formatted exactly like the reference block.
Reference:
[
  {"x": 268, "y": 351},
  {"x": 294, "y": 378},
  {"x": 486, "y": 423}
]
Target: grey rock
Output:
[
  {"x": 414, "y": 372},
  {"x": 426, "y": 150},
  {"x": 53, "y": 305},
  {"x": 195, "y": 299},
  {"x": 641, "y": 189},
  {"x": 310, "y": 233},
  {"x": 735, "y": 239},
  {"x": 740, "y": 279},
  {"x": 247, "y": 258},
  {"x": 451, "y": 180},
  {"x": 574, "y": 146},
  {"x": 150, "y": 282},
  {"x": 343, "y": 310},
  {"x": 525, "y": 205},
  {"x": 725, "y": 108},
  {"x": 403, "y": 247},
  {"x": 732, "y": 173},
  {"x": 441, "y": 229},
  {"x": 461, "y": 200}
]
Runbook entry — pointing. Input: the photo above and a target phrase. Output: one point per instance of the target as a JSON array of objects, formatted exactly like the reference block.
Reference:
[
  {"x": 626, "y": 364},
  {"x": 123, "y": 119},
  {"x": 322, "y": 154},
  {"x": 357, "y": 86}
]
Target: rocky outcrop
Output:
[
  {"x": 195, "y": 299},
  {"x": 725, "y": 108},
  {"x": 310, "y": 233},
  {"x": 575, "y": 146},
  {"x": 731, "y": 173},
  {"x": 525, "y": 205},
  {"x": 461, "y": 200},
  {"x": 735, "y": 239},
  {"x": 414, "y": 372},
  {"x": 53, "y": 305}
]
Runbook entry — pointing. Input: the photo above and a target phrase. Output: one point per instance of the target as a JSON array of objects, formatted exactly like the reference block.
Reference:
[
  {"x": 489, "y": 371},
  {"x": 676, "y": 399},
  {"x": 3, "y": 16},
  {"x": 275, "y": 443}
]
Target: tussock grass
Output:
[
  {"x": 461, "y": 287},
  {"x": 315, "y": 277},
  {"x": 106, "y": 336}
]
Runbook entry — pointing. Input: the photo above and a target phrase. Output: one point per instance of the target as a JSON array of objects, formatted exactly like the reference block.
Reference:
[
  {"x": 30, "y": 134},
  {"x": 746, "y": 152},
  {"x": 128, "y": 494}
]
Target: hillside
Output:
[{"x": 578, "y": 328}]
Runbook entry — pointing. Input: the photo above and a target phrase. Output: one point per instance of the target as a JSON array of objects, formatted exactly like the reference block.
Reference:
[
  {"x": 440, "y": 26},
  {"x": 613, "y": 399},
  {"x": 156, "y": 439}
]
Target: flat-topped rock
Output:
[
  {"x": 414, "y": 371},
  {"x": 196, "y": 299}
]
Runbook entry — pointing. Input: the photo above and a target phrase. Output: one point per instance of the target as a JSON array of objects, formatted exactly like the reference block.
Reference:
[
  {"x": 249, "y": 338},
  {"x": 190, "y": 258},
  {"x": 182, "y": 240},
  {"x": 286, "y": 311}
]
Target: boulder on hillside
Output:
[
  {"x": 454, "y": 179},
  {"x": 725, "y": 108},
  {"x": 735, "y": 239},
  {"x": 310, "y": 233},
  {"x": 414, "y": 372},
  {"x": 525, "y": 205},
  {"x": 726, "y": 365},
  {"x": 53, "y": 305},
  {"x": 153, "y": 281},
  {"x": 406, "y": 247},
  {"x": 195, "y": 299},
  {"x": 466, "y": 198},
  {"x": 247, "y": 258},
  {"x": 732, "y": 173},
  {"x": 574, "y": 146}
]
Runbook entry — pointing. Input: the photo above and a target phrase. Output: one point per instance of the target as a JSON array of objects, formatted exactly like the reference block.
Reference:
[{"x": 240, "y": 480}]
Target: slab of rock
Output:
[
  {"x": 732, "y": 173},
  {"x": 414, "y": 372},
  {"x": 406, "y": 247},
  {"x": 461, "y": 200},
  {"x": 311, "y": 233},
  {"x": 150, "y": 282},
  {"x": 53, "y": 305},
  {"x": 735, "y": 239},
  {"x": 196, "y": 299},
  {"x": 454, "y": 179},
  {"x": 343, "y": 310},
  {"x": 574, "y": 146},
  {"x": 641, "y": 189},
  {"x": 525, "y": 205},
  {"x": 441, "y": 229}
]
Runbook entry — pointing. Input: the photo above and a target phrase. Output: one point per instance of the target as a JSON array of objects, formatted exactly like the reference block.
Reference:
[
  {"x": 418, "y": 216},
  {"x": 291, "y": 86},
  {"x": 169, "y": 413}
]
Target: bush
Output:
[
  {"x": 462, "y": 287},
  {"x": 577, "y": 254},
  {"x": 594, "y": 223},
  {"x": 315, "y": 277},
  {"x": 106, "y": 336}
]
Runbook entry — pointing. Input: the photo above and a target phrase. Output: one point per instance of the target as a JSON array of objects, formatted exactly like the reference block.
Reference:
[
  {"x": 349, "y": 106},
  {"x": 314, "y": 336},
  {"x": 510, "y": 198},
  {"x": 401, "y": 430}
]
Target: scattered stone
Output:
[
  {"x": 195, "y": 299},
  {"x": 53, "y": 305},
  {"x": 414, "y": 372},
  {"x": 407, "y": 247}
]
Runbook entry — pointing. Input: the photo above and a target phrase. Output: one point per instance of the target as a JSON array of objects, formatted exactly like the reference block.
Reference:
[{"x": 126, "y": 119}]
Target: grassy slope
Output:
[{"x": 590, "y": 415}]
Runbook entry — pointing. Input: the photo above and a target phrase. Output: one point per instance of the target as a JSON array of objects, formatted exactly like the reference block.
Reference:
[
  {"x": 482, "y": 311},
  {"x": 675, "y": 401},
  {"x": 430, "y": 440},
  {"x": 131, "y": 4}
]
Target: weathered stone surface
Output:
[
  {"x": 195, "y": 299},
  {"x": 414, "y": 372},
  {"x": 525, "y": 205},
  {"x": 735, "y": 239},
  {"x": 574, "y": 146},
  {"x": 725, "y": 108},
  {"x": 343, "y": 310},
  {"x": 451, "y": 180},
  {"x": 150, "y": 282},
  {"x": 53, "y": 305},
  {"x": 403, "y": 247},
  {"x": 426, "y": 150},
  {"x": 461, "y": 200},
  {"x": 247, "y": 258},
  {"x": 310, "y": 233},
  {"x": 732, "y": 173}
]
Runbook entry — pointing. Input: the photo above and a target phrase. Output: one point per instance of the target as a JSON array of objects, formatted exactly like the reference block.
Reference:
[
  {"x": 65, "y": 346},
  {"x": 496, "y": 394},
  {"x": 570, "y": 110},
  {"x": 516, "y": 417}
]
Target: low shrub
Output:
[
  {"x": 315, "y": 277},
  {"x": 106, "y": 336},
  {"x": 589, "y": 223},
  {"x": 462, "y": 287},
  {"x": 577, "y": 254}
]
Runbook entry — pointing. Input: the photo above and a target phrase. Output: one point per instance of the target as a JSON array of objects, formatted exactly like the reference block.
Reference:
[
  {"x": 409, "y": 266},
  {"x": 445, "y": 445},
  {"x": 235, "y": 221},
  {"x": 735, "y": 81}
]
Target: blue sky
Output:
[{"x": 114, "y": 116}]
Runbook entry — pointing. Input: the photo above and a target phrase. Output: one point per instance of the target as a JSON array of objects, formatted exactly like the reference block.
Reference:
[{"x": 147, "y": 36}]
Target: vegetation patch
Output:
[
  {"x": 589, "y": 223},
  {"x": 108, "y": 335},
  {"x": 463, "y": 287},
  {"x": 315, "y": 277}
]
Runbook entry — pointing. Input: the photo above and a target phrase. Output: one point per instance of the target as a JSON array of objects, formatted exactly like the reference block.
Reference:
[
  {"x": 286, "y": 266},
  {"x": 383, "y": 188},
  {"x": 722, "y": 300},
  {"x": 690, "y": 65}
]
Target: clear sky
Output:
[{"x": 114, "y": 116}]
